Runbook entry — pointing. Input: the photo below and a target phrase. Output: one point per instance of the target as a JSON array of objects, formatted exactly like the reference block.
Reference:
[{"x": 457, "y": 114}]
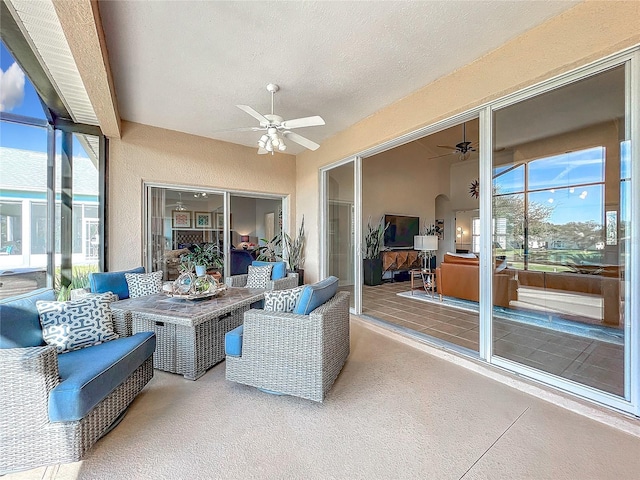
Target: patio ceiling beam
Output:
[{"x": 80, "y": 21}]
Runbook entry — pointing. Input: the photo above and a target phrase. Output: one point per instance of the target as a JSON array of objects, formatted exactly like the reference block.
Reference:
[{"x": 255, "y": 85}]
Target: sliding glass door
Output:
[
  {"x": 180, "y": 219},
  {"x": 561, "y": 201},
  {"x": 340, "y": 221}
]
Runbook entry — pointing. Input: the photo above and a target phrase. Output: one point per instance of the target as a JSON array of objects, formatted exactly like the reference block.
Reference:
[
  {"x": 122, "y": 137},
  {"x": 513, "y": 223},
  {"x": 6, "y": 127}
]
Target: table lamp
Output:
[{"x": 426, "y": 244}]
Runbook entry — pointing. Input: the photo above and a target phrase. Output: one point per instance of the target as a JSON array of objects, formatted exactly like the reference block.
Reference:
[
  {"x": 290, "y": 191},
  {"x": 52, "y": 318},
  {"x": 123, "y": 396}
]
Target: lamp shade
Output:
[
  {"x": 244, "y": 238},
  {"x": 425, "y": 242}
]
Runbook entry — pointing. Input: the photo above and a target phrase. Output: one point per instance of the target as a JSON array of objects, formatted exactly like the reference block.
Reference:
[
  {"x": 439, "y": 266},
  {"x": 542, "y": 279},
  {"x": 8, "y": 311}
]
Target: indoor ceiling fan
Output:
[
  {"x": 277, "y": 129},
  {"x": 462, "y": 149},
  {"x": 179, "y": 205}
]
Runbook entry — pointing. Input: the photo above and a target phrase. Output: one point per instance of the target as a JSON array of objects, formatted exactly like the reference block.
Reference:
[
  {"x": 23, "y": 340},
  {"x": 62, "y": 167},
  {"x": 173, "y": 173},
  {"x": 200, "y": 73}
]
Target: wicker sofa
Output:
[
  {"x": 293, "y": 354},
  {"x": 56, "y": 406}
]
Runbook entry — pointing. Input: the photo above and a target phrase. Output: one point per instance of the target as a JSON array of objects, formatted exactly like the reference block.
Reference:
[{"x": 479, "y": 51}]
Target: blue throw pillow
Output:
[
  {"x": 315, "y": 295},
  {"x": 279, "y": 268},
  {"x": 112, "y": 282}
]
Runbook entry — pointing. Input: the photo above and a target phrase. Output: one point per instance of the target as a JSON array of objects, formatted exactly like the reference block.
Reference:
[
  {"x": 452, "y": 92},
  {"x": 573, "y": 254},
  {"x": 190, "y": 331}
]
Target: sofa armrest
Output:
[
  {"x": 283, "y": 338},
  {"x": 237, "y": 280},
  {"x": 290, "y": 281},
  {"x": 28, "y": 375},
  {"x": 122, "y": 322}
]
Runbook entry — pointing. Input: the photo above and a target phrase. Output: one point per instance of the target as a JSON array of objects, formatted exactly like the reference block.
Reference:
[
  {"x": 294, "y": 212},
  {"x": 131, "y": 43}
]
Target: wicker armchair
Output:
[
  {"x": 290, "y": 281},
  {"x": 292, "y": 354}
]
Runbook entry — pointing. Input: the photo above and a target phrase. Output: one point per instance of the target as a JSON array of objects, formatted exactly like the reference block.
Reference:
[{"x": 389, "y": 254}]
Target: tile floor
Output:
[{"x": 591, "y": 362}]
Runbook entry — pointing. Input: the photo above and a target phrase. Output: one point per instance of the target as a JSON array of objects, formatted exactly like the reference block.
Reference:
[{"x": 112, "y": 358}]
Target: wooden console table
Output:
[{"x": 400, "y": 260}]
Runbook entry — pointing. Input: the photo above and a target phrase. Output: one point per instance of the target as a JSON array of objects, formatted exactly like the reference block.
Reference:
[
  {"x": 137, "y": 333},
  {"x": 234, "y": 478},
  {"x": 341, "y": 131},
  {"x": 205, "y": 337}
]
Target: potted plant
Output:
[
  {"x": 373, "y": 245},
  {"x": 271, "y": 250},
  {"x": 295, "y": 252},
  {"x": 203, "y": 257}
]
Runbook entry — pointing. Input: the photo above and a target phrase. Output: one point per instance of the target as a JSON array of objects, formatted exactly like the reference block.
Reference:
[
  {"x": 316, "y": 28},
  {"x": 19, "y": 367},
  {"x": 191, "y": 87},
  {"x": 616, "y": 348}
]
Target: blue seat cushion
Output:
[
  {"x": 315, "y": 295},
  {"x": 278, "y": 271},
  {"x": 90, "y": 374},
  {"x": 112, "y": 282},
  {"x": 19, "y": 319},
  {"x": 233, "y": 342}
]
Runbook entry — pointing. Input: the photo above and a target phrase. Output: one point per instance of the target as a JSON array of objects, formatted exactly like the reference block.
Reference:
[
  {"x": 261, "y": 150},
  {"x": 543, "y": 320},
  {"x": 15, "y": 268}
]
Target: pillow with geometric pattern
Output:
[
  {"x": 282, "y": 300},
  {"x": 77, "y": 324},
  {"x": 141, "y": 284},
  {"x": 258, "y": 276}
]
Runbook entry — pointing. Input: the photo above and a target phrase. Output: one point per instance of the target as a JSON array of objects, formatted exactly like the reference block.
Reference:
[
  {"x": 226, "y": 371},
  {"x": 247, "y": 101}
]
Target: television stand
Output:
[{"x": 395, "y": 261}]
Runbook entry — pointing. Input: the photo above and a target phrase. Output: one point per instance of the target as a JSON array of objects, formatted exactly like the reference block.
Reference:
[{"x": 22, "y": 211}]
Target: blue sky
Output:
[
  {"x": 18, "y": 96},
  {"x": 559, "y": 179}
]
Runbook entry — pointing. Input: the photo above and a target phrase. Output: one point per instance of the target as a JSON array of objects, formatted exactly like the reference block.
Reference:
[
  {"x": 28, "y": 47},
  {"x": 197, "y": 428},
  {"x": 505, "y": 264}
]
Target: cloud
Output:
[{"x": 11, "y": 88}]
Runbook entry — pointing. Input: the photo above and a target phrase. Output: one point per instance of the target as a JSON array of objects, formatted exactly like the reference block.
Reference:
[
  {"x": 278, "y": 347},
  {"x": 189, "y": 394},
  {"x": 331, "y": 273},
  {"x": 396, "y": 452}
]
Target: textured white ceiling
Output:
[{"x": 184, "y": 65}]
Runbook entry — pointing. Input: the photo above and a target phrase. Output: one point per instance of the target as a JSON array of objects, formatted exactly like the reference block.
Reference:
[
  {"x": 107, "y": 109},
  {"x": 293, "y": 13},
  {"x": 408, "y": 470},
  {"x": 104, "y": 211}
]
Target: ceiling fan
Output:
[
  {"x": 277, "y": 129},
  {"x": 462, "y": 149},
  {"x": 179, "y": 205}
]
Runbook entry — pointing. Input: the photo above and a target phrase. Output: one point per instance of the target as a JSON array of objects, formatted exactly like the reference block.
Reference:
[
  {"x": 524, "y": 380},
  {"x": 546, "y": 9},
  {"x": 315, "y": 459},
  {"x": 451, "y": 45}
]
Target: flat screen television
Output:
[{"x": 401, "y": 231}]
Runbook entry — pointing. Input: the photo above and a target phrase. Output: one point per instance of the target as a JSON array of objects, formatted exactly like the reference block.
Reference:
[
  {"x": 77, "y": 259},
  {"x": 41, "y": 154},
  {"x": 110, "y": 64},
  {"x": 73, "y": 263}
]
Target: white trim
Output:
[
  {"x": 486, "y": 234},
  {"x": 632, "y": 281},
  {"x": 357, "y": 234},
  {"x": 322, "y": 233}
]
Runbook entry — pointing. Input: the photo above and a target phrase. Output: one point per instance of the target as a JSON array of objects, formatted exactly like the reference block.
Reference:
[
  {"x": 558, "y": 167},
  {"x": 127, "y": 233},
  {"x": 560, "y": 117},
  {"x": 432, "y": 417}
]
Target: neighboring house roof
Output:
[{"x": 26, "y": 170}]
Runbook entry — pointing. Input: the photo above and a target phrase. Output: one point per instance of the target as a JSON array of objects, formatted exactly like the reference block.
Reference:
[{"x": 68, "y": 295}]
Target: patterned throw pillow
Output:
[
  {"x": 259, "y": 276},
  {"x": 141, "y": 284},
  {"x": 282, "y": 300},
  {"x": 77, "y": 324}
]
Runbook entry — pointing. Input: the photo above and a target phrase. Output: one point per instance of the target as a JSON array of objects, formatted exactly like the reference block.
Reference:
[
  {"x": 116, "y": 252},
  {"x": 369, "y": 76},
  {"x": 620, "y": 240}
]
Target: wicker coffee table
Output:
[{"x": 189, "y": 333}]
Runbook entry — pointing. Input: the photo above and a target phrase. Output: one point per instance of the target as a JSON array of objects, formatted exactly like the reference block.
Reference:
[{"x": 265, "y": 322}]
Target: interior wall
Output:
[
  {"x": 403, "y": 181},
  {"x": 151, "y": 154},
  {"x": 244, "y": 220},
  {"x": 563, "y": 43}
]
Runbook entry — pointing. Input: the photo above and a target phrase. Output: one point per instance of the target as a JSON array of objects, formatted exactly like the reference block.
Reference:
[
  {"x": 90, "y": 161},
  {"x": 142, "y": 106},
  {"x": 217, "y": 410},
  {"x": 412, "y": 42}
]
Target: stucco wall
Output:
[
  {"x": 585, "y": 33},
  {"x": 152, "y": 154}
]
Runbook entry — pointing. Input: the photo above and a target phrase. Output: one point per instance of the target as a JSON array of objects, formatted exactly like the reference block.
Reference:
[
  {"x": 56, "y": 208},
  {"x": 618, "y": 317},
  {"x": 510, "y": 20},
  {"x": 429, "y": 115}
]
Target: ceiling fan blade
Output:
[
  {"x": 253, "y": 113},
  {"x": 303, "y": 122},
  {"x": 246, "y": 129},
  {"x": 300, "y": 140},
  {"x": 447, "y": 146},
  {"x": 440, "y": 156},
  {"x": 262, "y": 151}
]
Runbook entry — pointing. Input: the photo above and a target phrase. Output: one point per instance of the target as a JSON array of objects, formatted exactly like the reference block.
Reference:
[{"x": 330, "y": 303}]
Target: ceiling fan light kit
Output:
[{"x": 277, "y": 129}]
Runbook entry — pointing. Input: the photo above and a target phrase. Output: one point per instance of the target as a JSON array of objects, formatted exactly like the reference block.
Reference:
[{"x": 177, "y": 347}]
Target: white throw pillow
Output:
[
  {"x": 141, "y": 284},
  {"x": 78, "y": 323},
  {"x": 259, "y": 276},
  {"x": 282, "y": 300}
]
